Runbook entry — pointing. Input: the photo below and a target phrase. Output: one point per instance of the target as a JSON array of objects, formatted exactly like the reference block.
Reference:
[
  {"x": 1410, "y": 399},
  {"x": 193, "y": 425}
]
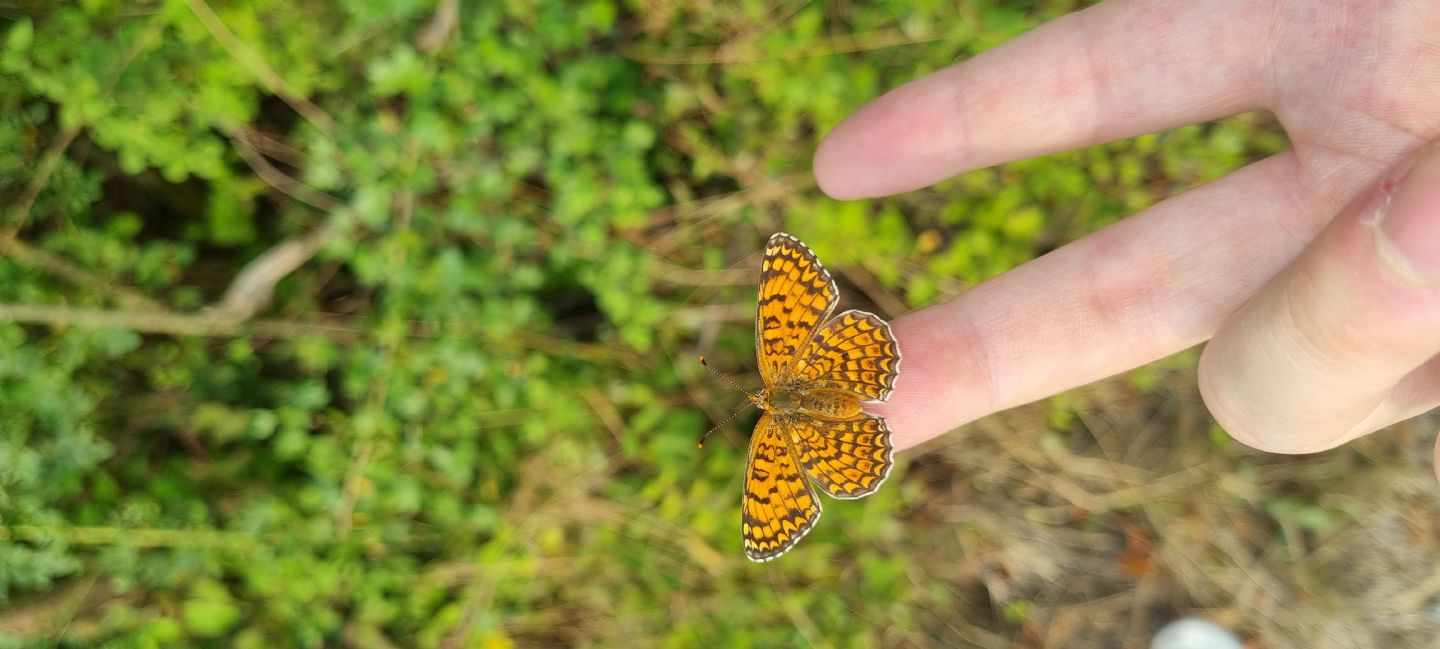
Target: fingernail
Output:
[{"x": 1408, "y": 236}]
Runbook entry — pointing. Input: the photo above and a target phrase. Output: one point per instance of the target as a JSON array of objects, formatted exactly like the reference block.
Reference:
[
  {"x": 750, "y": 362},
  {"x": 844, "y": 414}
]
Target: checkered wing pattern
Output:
[
  {"x": 779, "y": 507},
  {"x": 796, "y": 295},
  {"x": 817, "y": 371},
  {"x": 854, "y": 352},
  {"x": 846, "y": 459}
]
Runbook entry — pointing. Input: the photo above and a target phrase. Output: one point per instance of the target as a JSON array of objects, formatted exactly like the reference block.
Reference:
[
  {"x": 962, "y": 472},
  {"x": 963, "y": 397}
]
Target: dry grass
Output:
[{"x": 1097, "y": 537}]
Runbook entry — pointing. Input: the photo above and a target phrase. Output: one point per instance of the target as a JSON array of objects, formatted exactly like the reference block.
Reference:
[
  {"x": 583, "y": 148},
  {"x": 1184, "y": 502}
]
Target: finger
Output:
[
  {"x": 1140, "y": 289},
  {"x": 1343, "y": 341},
  {"x": 1436, "y": 463},
  {"x": 1112, "y": 71}
]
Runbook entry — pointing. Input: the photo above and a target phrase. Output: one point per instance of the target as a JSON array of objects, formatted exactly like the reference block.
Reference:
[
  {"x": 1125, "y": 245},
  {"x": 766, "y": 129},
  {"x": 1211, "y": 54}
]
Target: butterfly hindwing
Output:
[
  {"x": 854, "y": 352},
  {"x": 846, "y": 459}
]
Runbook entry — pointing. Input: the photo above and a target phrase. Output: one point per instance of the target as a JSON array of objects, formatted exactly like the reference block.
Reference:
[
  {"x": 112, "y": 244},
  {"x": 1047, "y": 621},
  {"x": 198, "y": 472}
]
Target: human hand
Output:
[{"x": 1315, "y": 273}]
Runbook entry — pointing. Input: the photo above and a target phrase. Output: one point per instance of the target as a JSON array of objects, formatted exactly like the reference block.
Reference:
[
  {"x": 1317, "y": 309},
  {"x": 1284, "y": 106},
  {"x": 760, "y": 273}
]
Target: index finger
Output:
[{"x": 1116, "y": 70}]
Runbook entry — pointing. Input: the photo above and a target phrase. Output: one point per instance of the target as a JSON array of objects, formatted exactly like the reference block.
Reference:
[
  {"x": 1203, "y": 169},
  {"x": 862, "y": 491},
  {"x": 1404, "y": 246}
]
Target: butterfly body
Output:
[
  {"x": 818, "y": 370},
  {"x": 794, "y": 401}
]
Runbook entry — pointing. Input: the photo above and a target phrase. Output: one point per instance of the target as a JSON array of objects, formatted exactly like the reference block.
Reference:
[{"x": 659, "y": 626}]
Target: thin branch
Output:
[
  {"x": 134, "y": 537},
  {"x": 21, "y": 213},
  {"x": 254, "y": 285},
  {"x": 739, "y": 53},
  {"x": 123, "y": 295},
  {"x": 44, "y": 616},
  {"x": 165, "y": 322},
  {"x": 354, "y": 484},
  {"x": 606, "y": 411},
  {"x": 215, "y": 324},
  {"x": 870, "y": 285},
  {"x": 262, "y": 70},
  {"x": 279, "y": 180},
  {"x": 272, "y": 147},
  {"x": 433, "y": 37}
]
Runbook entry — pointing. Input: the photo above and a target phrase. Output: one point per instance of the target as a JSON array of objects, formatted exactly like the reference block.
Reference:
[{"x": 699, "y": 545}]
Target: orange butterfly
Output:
[{"x": 817, "y": 371}]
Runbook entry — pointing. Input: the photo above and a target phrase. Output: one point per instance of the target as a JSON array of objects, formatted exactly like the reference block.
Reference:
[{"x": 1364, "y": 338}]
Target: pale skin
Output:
[{"x": 1314, "y": 274}]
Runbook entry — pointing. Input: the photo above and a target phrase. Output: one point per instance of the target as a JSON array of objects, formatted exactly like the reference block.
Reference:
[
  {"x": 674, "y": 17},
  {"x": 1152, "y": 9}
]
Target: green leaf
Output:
[
  {"x": 210, "y": 612},
  {"x": 17, "y": 43}
]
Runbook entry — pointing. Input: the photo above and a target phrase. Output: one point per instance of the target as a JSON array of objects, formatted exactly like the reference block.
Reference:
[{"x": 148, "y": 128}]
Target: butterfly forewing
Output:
[
  {"x": 796, "y": 295},
  {"x": 779, "y": 507}
]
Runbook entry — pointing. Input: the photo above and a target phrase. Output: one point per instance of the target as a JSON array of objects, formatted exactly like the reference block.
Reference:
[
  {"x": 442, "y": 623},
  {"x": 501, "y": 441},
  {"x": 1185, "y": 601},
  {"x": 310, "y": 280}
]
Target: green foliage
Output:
[{"x": 482, "y": 434}]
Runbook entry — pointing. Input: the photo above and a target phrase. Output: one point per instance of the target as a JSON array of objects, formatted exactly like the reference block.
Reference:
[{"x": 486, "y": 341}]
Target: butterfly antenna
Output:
[
  {"x": 743, "y": 408},
  {"x": 727, "y": 379},
  {"x": 722, "y": 424}
]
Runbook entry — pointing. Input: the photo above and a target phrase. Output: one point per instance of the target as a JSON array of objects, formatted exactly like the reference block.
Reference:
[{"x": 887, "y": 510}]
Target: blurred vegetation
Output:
[{"x": 372, "y": 325}]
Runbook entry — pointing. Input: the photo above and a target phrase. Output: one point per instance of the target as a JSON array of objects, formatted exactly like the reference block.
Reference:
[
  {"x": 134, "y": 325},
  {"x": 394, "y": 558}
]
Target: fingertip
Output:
[
  {"x": 901, "y": 141},
  {"x": 845, "y": 163},
  {"x": 827, "y": 167}
]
